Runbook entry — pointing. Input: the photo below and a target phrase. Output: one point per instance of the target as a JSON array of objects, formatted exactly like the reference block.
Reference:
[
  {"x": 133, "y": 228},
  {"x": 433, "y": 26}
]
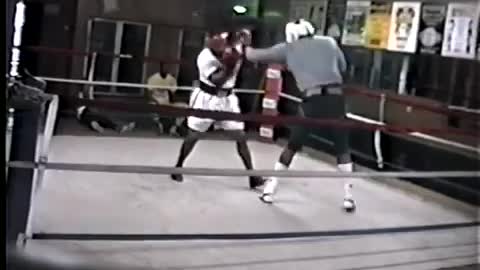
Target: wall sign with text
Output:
[
  {"x": 432, "y": 27},
  {"x": 478, "y": 42},
  {"x": 461, "y": 30},
  {"x": 404, "y": 26},
  {"x": 354, "y": 28},
  {"x": 314, "y": 11},
  {"x": 378, "y": 25}
]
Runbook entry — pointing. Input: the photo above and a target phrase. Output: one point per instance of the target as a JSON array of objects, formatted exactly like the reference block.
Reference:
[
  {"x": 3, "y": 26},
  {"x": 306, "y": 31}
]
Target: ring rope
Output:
[
  {"x": 250, "y": 236},
  {"x": 450, "y": 110},
  {"x": 163, "y": 170},
  {"x": 41, "y": 154},
  {"x": 262, "y": 118},
  {"x": 139, "y": 85},
  {"x": 411, "y": 132},
  {"x": 434, "y": 109}
]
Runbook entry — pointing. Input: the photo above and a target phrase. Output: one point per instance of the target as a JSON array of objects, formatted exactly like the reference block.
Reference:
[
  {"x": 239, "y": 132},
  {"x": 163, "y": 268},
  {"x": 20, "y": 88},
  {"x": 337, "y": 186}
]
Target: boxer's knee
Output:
[
  {"x": 288, "y": 153},
  {"x": 342, "y": 146},
  {"x": 193, "y": 135},
  {"x": 242, "y": 146},
  {"x": 236, "y": 135},
  {"x": 241, "y": 142},
  {"x": 344, "y": 158},
  {"x": 294, "y": 146}
]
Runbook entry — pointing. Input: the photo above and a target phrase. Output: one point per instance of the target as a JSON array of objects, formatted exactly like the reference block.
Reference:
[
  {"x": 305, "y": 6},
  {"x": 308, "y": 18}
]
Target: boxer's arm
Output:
[
  {"x": 276, "y": 54},
  {"x": 220, "y": 76},
  {"x": 209, "y": 67}
]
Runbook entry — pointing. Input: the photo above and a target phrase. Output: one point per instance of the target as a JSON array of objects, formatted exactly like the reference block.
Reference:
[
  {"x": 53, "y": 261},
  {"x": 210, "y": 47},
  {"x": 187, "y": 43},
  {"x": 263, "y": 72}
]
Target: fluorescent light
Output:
[{"x": 240, "y": 9}]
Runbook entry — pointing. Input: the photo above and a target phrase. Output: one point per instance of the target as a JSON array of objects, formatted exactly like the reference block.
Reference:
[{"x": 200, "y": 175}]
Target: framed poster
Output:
[
  {"x": 460, "y": 36},
  {"x": 432, "y": 26},
  {"x": 314, "y": 11},
  {"x": 478, "y": 41},
  {"x": 404, "y": 27},
  {"x": 378, "y": 25},
  {"x": 354, "y": 28}
]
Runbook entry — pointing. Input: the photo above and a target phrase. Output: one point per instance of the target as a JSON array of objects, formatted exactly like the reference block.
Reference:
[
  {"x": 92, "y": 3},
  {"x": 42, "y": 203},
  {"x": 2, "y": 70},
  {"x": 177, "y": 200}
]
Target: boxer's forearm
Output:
[
  {"x": 220, "y": 76},
  {"x": 275, "y": 54}
]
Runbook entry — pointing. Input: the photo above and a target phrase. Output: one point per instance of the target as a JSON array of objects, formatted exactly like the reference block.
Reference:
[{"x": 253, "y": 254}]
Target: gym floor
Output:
[{"x": 81, "y": 202}]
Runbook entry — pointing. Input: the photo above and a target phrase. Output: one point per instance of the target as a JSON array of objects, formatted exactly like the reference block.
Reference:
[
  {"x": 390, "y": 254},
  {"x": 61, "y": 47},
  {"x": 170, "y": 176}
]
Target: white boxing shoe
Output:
[
  {"x": 267, "y": 198},
  {"x": 349, "y": 205},
  {"x": 270, "y": 188}
]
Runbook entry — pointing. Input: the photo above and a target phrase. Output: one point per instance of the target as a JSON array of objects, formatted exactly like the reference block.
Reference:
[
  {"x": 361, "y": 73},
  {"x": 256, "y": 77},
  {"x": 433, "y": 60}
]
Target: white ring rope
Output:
[
  {"x": 139, "y": 85},
  {"x": 141, "y": 169}
]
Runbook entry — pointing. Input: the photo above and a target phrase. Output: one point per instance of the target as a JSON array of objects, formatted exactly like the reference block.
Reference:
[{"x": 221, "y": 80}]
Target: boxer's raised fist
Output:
[
  {"x": 245, "y": 37},
  {"x": 230, "y": 57}
]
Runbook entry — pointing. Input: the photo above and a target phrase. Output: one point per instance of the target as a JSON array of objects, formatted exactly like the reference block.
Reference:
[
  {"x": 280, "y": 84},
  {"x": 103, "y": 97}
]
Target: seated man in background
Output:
[{"x": 164, "y": 96}]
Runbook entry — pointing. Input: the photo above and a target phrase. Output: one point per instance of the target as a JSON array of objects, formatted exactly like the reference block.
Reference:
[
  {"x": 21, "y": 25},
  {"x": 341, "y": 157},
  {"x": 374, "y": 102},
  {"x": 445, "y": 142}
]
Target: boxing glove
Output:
[
  {"x": 230, "y": 57},
  {"x": 245, "y": 37}
]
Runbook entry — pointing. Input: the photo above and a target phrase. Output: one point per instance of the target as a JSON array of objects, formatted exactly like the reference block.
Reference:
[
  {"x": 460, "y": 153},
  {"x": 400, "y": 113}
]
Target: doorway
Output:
[{"x": 121, "y": 46}]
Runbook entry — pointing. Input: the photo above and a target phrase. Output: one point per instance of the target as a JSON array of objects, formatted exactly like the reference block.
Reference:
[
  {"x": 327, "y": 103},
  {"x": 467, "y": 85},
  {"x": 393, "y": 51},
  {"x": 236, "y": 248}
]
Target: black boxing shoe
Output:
[
  {"x": 177, "y": 177},
  {"x": 256, "y": 182}
]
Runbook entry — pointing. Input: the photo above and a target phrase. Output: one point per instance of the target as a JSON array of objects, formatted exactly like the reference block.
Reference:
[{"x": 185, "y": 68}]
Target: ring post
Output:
[{"x": 19, "y": 186}]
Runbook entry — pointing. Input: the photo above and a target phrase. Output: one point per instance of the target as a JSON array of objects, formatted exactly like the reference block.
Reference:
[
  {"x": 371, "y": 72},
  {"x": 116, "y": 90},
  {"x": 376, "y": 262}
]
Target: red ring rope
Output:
[
  {"x": 360, "y": 91},
  {"x": 350, "y": 89},
  {"x": 260, "y": 118}
]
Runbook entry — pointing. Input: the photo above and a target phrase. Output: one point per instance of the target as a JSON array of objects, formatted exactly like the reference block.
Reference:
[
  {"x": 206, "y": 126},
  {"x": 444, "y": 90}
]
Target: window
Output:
[{"x": 108, "y": 38}]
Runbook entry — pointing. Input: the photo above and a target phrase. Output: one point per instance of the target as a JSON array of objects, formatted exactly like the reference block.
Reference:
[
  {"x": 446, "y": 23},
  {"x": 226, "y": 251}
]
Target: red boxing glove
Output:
[{"x": 230, "y": 57}]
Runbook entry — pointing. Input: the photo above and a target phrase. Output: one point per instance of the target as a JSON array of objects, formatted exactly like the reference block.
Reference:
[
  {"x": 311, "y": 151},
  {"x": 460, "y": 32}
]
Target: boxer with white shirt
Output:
[{"x": 218, "y": 66}]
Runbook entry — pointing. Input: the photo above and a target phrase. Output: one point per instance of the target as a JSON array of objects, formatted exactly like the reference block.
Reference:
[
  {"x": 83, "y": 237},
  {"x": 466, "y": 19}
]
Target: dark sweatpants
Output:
[
  {"x": 326, "y": 106},
  {"x": 93, "y": 115}
]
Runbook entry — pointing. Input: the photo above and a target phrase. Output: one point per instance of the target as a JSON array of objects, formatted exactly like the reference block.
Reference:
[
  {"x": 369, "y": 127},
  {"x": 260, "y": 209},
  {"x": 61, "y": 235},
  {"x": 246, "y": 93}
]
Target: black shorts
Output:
[{"x": 326, "y": 106}]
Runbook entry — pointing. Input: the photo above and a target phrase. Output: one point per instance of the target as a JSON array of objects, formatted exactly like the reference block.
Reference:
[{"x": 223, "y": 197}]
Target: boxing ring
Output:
[
  {"x": 140, "y": 218},
  {"x": 90, "y": 203},
  {"x": 108, "y": 200}
]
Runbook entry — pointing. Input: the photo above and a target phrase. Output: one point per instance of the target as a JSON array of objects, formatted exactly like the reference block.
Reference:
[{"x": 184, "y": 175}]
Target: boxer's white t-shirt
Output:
[{"x": 207, "y": 64}]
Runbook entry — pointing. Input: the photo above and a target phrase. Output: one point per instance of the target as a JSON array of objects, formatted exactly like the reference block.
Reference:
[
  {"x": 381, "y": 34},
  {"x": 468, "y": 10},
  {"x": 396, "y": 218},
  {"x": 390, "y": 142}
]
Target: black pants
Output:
[
  {"x": 324, "y": 107},
  {"x": 90, "y": 115},
  {"x": 167, "y": 122}
]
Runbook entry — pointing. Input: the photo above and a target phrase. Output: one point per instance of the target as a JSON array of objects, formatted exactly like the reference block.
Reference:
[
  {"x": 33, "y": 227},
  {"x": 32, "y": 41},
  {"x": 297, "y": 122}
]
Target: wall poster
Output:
[
  {"x": 432, "y": 27},
  {"x": 378, "y": 25},
  {"x": 404, "y": 27},
  {"x": 460, "y": 34},
  {"x": 354, "y": 28},
  {"x": 478, "y": 42},
  {"x": 314, "y": 11}
]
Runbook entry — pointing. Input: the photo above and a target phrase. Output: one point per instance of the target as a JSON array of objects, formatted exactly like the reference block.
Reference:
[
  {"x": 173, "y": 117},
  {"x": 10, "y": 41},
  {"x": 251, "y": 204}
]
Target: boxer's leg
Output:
[
  {"x": 235, "y": 130},
  {"x": 187, "y": 147},
  {"x": 298, "y": 135},
  {"x": 197, "y": 127},
  {"x": 243, "y": 151},
  {"x": 89, "y": 119},
  {"x": 341, "y": 141}
]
